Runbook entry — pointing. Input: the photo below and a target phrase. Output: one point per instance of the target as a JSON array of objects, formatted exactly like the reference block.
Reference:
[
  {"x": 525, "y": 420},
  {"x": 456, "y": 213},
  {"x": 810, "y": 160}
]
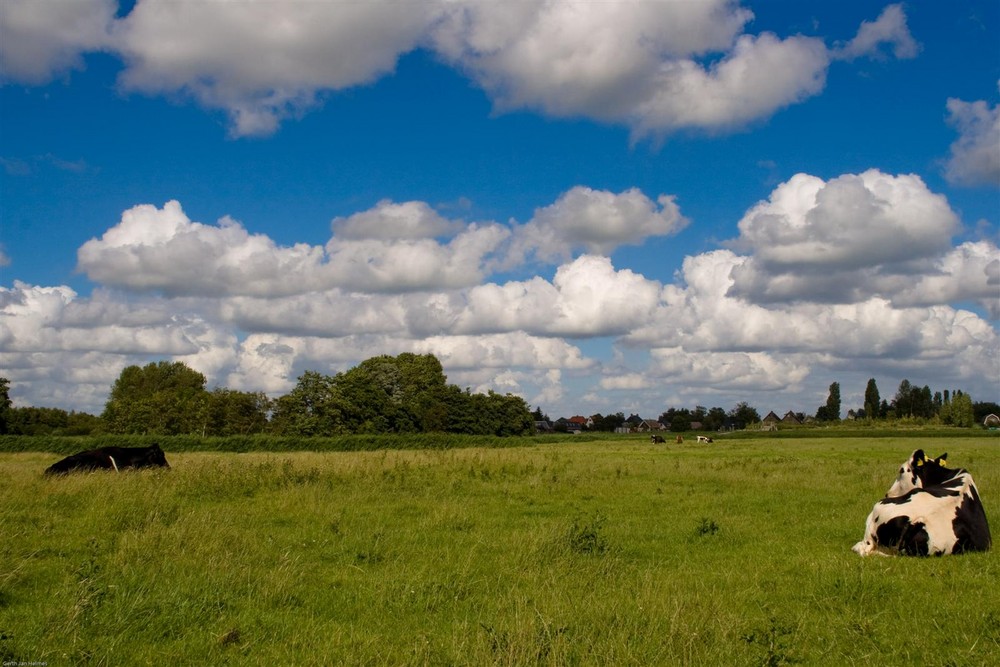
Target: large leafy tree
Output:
[
  {"x": 403, "y": 394},
  {"x": 959, "y": 411},
  {"x": 163, "y": 398},
  {"x": 903, "y": 401},
  {"x": 872, "y": 400},
  {"x": 744, "y": 414},
  {"x": 231, "y": 412},
  {"x": 830, "y": 411},
  {"x": 5, "y": 403},
  {"x": 911, "y": 401},
  {"x": 715, "y": 418},
  {"x": 314, "y": 407}
]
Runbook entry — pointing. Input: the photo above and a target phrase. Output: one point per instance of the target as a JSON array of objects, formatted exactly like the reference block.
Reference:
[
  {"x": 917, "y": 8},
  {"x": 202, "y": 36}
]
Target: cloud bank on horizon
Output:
[{"x": 829, "y": 277}]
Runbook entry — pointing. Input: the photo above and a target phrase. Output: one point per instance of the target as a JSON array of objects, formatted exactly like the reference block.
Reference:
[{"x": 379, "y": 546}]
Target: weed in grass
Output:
[
  {"x": 585, "y": 535},
  {"x": 706, "y": 527},
  {"x": 7, "y": 652},
  {"x": 533, "y": 645},
  {"x": 230, "y": 637},
  {"x": 372, "y": 553},
  {"x": 771, "y": 644}
]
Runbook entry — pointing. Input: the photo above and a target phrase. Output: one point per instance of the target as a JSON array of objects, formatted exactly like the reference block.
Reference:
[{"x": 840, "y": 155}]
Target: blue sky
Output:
[{"x": 597, "y": 206}]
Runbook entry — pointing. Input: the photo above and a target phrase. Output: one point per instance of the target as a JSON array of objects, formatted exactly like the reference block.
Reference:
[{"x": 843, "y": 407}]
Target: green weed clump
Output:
[{"x": 590, "y": 552}]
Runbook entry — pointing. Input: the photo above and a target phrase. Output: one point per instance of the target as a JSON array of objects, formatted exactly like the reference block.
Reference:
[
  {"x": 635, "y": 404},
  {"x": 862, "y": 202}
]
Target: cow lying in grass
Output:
[
  {"x": 111, "y": 458},
  {"x": 930, "y": 510}
]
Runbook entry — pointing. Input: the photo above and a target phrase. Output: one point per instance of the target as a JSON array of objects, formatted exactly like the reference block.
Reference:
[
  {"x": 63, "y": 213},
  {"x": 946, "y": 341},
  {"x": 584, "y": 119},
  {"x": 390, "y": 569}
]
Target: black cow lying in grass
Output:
[{"x": 111, "y": 458}]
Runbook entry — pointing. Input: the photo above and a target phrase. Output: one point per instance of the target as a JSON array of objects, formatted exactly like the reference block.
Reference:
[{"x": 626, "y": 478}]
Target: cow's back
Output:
[
  {"x": 972, "y": 530},
  {"x": 107, "y": 458},
  {"x": 94, "y": 459}
]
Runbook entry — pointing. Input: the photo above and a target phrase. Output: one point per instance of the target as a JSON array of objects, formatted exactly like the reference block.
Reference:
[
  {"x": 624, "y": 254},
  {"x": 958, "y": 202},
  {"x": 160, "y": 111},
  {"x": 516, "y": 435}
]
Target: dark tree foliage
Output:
[
  {"x": 540, "y": 416},
  {"x": 163, "y": 398},
  {"x": 5, "y": 403},
  {"x": 903, "y": 401},
  {"x": 982, "y": 409},
  {"x": 51, "y": 421},
  {"x": 744, "y": 414},
  {"x": 677, "y": 419},
  {"x": 830, "y": 411},
  {"x": 872, "y": 400},
  {"x": 314, "y": 407},
  {"x": 715, "y": 418},
  {"x": 911, "y": 401},
  {"x": 608, "y": 423},
  {"x": 231, "y": 412},
  {"x": 959, "y": 411},
  {"x": 404, "y": 394}
]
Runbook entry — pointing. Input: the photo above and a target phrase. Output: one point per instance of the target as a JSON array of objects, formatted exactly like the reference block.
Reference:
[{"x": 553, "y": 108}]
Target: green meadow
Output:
[{"x": 572, "y": 552}]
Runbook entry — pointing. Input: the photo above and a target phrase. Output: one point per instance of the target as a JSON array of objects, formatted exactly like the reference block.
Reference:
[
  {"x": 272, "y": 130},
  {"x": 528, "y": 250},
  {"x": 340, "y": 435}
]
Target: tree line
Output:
[
  {"x": 404, "y": 394},
  {"x": 948, "y": 408}
]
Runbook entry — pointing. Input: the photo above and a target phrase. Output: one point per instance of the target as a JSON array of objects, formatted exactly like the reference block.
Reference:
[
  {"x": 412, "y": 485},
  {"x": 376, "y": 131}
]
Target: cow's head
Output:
[
  {"x": 154, "y": 456},
  {"x": 917, "y": 472}
]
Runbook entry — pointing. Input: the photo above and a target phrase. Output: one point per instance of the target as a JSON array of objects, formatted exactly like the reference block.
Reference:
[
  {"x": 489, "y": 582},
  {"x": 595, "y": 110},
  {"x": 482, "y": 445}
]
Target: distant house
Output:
[
  {"x": 771, "y": 418},
  {"x": 991, "y": 421},
  {"x": 562, "y": 425},
  {"x": 543, "y": 426},
  {"x": 697, "y": 426},
  {"x": 583, "y": 422},
  {"x": 790, "y": 418},
  {"x": 647, "y": 425}
]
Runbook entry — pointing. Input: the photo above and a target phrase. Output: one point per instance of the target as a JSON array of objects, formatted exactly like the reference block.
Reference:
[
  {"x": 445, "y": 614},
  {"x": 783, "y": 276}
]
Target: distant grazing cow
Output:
[
  {"x": 656, "y": 439},
  {"x": 111, "y": 458},
  {"x": 680, "y": 440},
  {"x": 930, "y": 510},
  {"x": 704, "y": 438}
]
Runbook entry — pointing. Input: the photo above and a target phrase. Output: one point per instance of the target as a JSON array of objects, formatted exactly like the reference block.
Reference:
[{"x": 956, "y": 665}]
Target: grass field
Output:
[{"x": 612, "y": 552}]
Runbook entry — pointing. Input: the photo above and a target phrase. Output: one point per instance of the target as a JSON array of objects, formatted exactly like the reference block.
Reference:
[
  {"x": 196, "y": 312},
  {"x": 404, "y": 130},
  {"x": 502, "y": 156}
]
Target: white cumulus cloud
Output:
[
  {"x": 587, "y": 297},
  {"x": 888, "y": 29},
  {"x": 840, "y": 240},
  {"x": 39, "y": 40},
  {"x": 161, "y": 249},
  {"x": 975, "y": 156},
  {"x": 153, "y": 249},
  {"x": 760, "y": 75},
  {"x": 598, "y": 221},
  {"x": 264, "y": 61},
  {"x": 654, "y": 66}
]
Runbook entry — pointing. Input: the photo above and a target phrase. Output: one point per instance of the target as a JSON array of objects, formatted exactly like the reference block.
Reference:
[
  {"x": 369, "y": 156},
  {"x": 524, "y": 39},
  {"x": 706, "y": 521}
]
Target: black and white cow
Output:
[
  {"x": 705, "y": 439},
  {"x": 930, "y": 510},
  {"x": 656, "y": 439},
  {"x": 111, "y": 458}
]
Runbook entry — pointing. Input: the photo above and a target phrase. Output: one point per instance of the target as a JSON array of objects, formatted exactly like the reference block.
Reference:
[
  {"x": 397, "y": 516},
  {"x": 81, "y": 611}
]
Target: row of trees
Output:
[
  {"x": 952, "y": 408},
  {"x": 675, "y": 419},
  {"x": 404, "y": 394}
]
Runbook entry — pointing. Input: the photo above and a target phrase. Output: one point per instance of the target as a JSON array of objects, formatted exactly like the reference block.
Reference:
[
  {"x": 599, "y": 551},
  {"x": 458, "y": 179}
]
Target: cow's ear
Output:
[
  {"x": 942, "y": 460},
  {"x": 918, "y": 457}
]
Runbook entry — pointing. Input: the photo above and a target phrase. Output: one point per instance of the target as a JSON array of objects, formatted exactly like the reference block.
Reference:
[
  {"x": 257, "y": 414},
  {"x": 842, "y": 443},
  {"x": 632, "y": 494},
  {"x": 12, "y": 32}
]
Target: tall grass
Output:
[
  {"x": 359, "y": 443},
  {"x": 603, "y": 552},
  {"x": 271, "y": 443}
]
